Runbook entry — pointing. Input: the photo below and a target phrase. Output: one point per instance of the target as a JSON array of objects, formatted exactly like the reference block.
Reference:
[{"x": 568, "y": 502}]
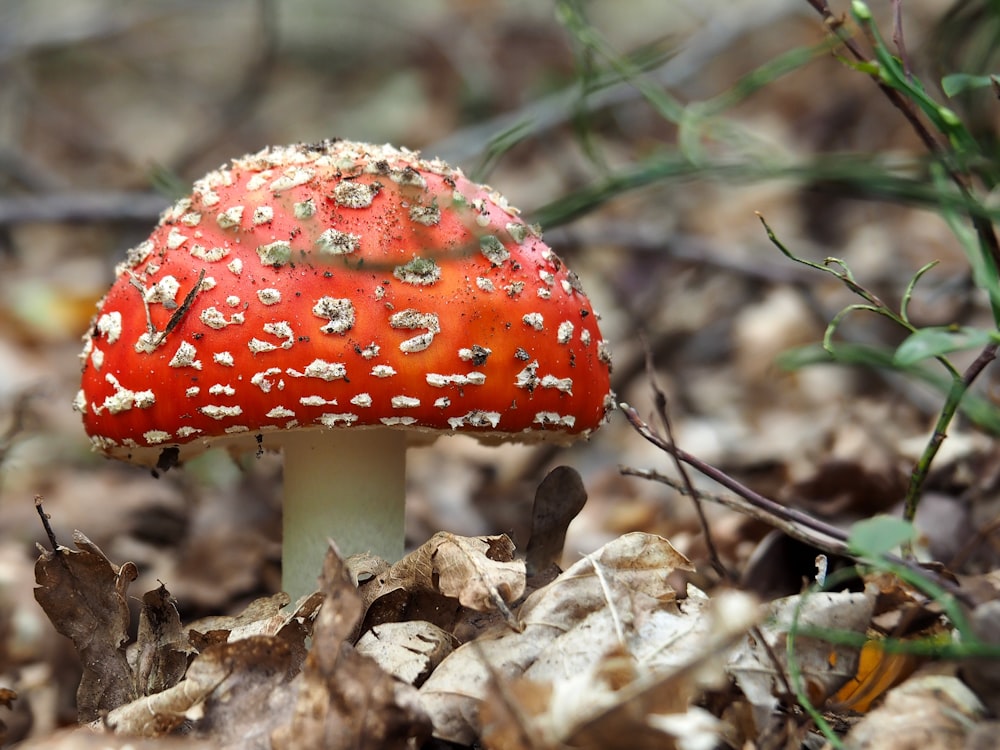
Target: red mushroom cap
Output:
[{"x": 339, "y": 285}]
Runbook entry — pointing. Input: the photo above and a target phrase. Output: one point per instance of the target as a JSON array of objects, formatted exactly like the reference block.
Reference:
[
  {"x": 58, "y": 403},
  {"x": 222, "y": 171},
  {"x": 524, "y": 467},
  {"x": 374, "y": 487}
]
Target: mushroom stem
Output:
[{"x": 348, "y": 485}]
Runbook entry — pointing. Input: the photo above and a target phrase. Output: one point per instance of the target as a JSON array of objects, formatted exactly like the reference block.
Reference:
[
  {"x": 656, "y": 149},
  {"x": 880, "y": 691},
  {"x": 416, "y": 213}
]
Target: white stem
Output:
[{"x": 348, "y": 485}]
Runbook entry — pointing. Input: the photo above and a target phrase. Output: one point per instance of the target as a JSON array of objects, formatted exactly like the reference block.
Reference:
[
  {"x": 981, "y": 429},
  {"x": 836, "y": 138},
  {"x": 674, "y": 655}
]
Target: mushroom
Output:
[{"x": 339, "y": 301}]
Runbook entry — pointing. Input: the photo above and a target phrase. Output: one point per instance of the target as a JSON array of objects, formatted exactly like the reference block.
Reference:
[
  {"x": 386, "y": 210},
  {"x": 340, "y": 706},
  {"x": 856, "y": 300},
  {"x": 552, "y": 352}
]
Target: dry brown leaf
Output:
[
  {"x": 264, "y": 616},
  {"x": 83, "y": 594},
  {"x": 161, "y": 652},
  {"x": 346, "y": 700},
  {"x": 599, "y": 605},
  {"x": 930, "y": 712},
  {"x": 630, "y": 697},
  {"x": 229, "y": 691},
  {"x": 480, "y": 572},
  {"x": 558, "y": 500},
  {"x": 409, "y": 651}
]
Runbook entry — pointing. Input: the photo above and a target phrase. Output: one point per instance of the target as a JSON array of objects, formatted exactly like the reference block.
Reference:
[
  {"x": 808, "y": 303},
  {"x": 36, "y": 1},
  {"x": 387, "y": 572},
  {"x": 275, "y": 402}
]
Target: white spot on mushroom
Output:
[
  {"x": 383, "y": 371},
  {"x": 493, "y": 249},
  {"x": 224, "y": 358},
  {"x": 404, "y": 402},
  {"x": 419, "y": 272},
  {"x": 364, "y": 400},
  {"x": 351, "y": 194},
  {"x": 186, "y": 356},
  {"x": 293, "y": 177},
  {"x": 269, "y": 296},
  {"x": 214, "y": 411},
  {"x": 426, "y": 215},
  {"x": 280, "y": 412},
  {"x": 514, "y": 288},
  {"x": 155, "y": 437},
  {"x": 566, "y": 286},
  {"x": 263, "y": 215},
  {"x": 340, "y": 313},
  {"x": 534, "y": 320},
  {"x": 305, "y": 209},
  {"x": 604, "y": 351},
  {"x": 175, "y": 238},
  {"x": 485, "y": 284},
  {"x": 320, "y": 368},
  {"x": 222, "y": 390},
  {"x": 186, "y": 432},
  {"x": 335, "y": 242},
  {"x": 136, "y": 256},
  {"x": 147, "y": 343},
  {"x": 475, "y": 418},
  {"x": 585, "y": 337},
  {"x": 236, "y": 266},
  {"x": 274, "y": 254},
  {"x": 371, "y": 351},
  {"x": 109, "y": 325},
  {"x": 230, "y": 218},
  {"x": 332, "y": 420},
  {"x": 208, "y": 283},
  {"x": 124, "y": 399},
  {"x": 236, "y": 428},
  {"x": 282, "y": 330},
  {"x": 263, "y": 379},
  {"x": 317, "y": 401},
  {"x": 398, "y": 421},
  {"x": 442, "y": 403},
  {"x": 551, "y": 418},
  {"x": 209, "y": 197},
  {"x": 97, "y": 358},
  {"x": 413, "y": 319},
  {"x": 209, "y": 255},
  {"x": 547, "y": 277},
  {"x": 560, "y": 384},
  {"x": 517, "y": 231},
  {"x": 80, "y": 402},
  {"x": 217, "y": 320},
  {"x": 565, "y": 332},
  {"x": 233, "y": 301},
  {"x": 544, "y": 292},
  {"x": 476, "y": 354},
  {"x": 440, "y": 381},
  {"x": 192, "y": 391},
  {"x": 163, "y": 291},
  {"x": 259, "y": 346},
  {"x": 191, "y": 219},
  {"x": 259, "y": 180},
  {"x": 528, "y": 377}
]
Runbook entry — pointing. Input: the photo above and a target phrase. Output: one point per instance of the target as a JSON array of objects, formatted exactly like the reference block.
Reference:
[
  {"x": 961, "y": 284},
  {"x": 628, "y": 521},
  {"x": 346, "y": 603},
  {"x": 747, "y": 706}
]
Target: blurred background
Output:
[{"x": 643, "y": 135}]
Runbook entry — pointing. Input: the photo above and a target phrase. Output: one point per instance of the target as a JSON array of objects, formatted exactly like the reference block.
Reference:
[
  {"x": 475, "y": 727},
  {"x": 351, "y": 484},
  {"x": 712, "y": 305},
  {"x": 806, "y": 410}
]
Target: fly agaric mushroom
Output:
[{"x": 339, "y": 301}]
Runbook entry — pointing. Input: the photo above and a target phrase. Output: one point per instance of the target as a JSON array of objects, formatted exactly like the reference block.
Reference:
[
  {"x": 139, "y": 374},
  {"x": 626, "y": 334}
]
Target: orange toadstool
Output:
[{"x": 338, "y": 301}]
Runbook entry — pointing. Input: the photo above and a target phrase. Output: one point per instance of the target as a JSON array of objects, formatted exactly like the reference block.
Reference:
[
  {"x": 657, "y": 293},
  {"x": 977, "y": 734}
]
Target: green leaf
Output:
[
  {"x": 958, "y": 83},
  {"x": 879, "y": 535},
  {"x": 936, "y": 342}
]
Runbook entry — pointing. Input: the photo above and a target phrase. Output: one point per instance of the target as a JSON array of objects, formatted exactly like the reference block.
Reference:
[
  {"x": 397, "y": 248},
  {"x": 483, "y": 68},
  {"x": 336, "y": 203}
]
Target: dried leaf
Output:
[
  {"x": 83, "y": 594},
  {"x": 345, "y": 699},
  {"x": 160, "y": 655},
  {"x": 409, "y": 651},
  {"x": 932, "y": 712},
  {"x": 265, "y": 616},
  {"x": 219, "y": 686},
  {"x": 597, "y": 606},
  {"x": 558, "y": 499}
]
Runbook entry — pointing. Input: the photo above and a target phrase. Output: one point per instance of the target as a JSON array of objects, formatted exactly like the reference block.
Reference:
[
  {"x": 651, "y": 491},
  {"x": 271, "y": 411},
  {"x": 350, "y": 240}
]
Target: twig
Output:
[
  {"x": 778, "y": 515},
  {"x": 45, "y": 523},
  {"x": 660, "y": 399}
]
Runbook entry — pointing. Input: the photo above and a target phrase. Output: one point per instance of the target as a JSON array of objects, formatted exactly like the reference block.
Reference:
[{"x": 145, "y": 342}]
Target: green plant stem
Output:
[{"x": 958, "y": 389}]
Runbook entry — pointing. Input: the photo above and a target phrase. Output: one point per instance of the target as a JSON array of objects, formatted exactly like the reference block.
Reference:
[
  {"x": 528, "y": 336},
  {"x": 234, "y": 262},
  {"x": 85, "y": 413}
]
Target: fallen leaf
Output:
[
  {"x": 161, "y": 652},
  {"x": 409, "y": 651},
  {"x": 83, "y": 594},
  {"x": 559, "y": 498}
]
